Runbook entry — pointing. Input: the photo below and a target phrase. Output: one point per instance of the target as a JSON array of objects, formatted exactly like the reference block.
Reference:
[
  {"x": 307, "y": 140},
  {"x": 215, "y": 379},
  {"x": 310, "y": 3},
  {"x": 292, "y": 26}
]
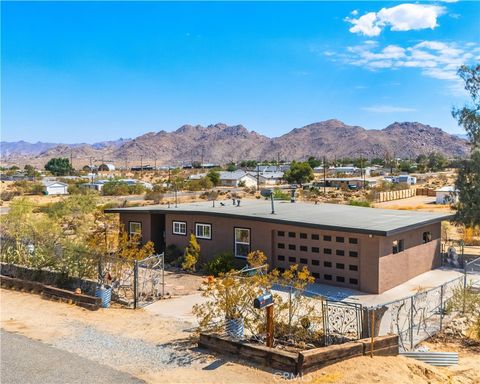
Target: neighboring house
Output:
[
  {"x": 345, "y": 182},
  {"x": 231, "y": 179},
  {"x": 411, "y": 180},
  {"x": 268, "y": 177},
  {"x": 96, "y": 185},
  {"x": 55, "y": 188},
  {"x": 446, "y": 195},
  {"x": 369, "y": 249},
  {"x": 106, "y": 168}
]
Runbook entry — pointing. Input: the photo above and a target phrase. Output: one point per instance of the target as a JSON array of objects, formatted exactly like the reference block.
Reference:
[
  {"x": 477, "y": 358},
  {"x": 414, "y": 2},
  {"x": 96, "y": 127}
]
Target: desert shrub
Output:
[
  {"x": 156, "y": 196},
  {"x": 221, "y": 263},
  {"x": 172, "y": 254},
  {"x": 278, "y": 194},
  {"x": 465, "y": 300},
  {"x": 360, "y": 203},
  {"x": 256, "y": 259},
  {"x": 36, "y": 189},
  {"x": 192, "y": 254},
  {"x": 8, "y": 195}
]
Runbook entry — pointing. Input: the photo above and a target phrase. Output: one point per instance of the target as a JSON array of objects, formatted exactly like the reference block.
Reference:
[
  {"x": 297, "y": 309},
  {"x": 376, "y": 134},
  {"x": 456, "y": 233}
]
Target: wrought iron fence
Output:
[
  {"x": 417, "y": 317},
  {"x": 302, "y": 318},
  {"x": 134, "y": 283}
]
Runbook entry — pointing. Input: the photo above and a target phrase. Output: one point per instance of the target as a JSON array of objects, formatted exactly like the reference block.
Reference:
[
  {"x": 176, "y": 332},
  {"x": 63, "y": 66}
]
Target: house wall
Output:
[
  {"x": 377, "y": 269},
  {"x": 144, "y": 218},
  {"x": 417, "y": 258}
]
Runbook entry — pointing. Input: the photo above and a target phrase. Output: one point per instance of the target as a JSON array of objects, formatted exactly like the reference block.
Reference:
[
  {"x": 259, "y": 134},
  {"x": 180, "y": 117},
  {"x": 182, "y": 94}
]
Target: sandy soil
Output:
[{"x": 59, "y": 324}]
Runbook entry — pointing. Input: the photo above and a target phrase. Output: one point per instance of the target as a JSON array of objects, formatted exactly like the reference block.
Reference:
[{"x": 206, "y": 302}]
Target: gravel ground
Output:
[
  {"x": 126, "y": 353},
  {"x": 29, "y": 361}
]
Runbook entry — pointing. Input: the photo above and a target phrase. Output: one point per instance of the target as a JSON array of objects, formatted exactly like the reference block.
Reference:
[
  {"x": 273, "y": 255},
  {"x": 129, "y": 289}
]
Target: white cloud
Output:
[
  {"x": 354, "y": 12},
  {"x": 387, "y": 109},
  {"x": 435, "y": 59},
  {"x": 403, "y": 17}
]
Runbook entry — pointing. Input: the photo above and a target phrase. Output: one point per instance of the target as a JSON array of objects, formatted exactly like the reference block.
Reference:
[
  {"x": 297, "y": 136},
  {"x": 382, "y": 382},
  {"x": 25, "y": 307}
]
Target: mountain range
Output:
[{"x": 221, "y": 143}]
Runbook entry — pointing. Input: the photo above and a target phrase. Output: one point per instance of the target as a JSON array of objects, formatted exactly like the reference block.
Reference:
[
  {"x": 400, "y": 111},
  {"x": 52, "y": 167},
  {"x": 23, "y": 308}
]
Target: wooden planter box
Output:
[{"x": 299, "y": 362}]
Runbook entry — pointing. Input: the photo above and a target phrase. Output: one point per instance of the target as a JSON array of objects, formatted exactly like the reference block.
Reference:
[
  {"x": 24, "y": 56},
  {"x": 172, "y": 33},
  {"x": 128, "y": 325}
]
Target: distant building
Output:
[
  {"x": 106, "y": 168},
  {"x": 446, "y": 195},
  {"x": 268, "y": 177},
  {"x": 231, "y": 179},
  {"x": 54, "y": 188}
]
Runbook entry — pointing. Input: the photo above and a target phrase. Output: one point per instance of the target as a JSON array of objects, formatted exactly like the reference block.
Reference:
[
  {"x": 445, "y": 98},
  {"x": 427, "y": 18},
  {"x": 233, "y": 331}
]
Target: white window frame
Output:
[
  {"x": 235, "y": 241},
  {"x": 201, "y": 235},
  {"x": 133, "y": 233},
  {"x": 179, "y": 230}
]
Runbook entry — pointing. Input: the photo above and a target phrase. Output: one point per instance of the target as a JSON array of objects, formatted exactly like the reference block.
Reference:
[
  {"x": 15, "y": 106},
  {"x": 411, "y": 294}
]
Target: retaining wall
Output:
[{"x": 303, "y": 361}]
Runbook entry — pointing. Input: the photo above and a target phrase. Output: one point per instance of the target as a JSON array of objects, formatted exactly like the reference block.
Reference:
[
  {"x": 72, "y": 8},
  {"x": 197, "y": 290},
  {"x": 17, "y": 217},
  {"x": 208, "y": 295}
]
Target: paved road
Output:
[{"x": 26, "y": 361}]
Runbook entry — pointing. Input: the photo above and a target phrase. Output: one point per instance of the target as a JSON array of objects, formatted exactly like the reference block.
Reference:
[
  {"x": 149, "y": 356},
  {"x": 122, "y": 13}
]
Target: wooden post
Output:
[
  {"x": 372, "y": 331},
  {"x": 270, "y": 326}
]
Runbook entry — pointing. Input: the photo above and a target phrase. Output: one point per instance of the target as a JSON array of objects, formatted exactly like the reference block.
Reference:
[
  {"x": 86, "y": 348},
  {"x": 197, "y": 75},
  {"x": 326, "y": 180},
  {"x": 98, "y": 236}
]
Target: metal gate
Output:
[
  {"x": 342, "y": 321},
  {"x": 149, "y": 280}
]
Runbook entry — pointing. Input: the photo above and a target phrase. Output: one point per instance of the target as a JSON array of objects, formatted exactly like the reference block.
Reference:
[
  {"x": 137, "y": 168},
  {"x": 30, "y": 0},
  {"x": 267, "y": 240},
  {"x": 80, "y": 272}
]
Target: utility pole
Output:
[
  {"x": 203, "y": 152},
  {"x": 155, "y": 164},
  {"x": 71, "y": 161},
  {"x": 324, "y": 175},
  {"x": 126, "y": 163},
  {"x": 141, "y": 165},
  {"x": 258, "y": 176},
  {"x": 91, "y": 168}
]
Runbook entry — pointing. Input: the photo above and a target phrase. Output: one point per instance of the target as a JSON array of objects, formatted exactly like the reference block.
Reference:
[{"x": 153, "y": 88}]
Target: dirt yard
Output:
[{"x": 156, "y": 347}]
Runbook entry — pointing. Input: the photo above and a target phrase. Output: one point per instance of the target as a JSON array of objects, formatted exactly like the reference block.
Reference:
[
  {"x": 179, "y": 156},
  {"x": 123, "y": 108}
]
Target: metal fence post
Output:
[
  {"x": 163, "y": 274},
  {"x": 411, "y": 323},
  {"x": 135, "y": 284},
  {"x": 290, "y": 309},
  {"x": 464, "y": 286},
  {"x": 441, "y": 306}
]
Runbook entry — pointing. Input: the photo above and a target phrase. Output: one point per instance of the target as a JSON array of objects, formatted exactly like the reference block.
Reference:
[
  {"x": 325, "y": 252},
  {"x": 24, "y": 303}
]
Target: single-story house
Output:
[
  {"x": 55, "y": 188},
  {"x": 231, "y": 179},
  {"x": 268, "y": 178},
  {"x": 368, "y": 249},
  {"x": 446, "y": 195},
  {"x": 345, "y": 182}
]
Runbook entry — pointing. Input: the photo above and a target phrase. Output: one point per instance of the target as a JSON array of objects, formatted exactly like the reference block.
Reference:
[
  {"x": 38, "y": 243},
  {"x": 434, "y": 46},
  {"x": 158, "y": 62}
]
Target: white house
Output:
[
  {"x": 231, "y": 179},
  {"x": 268, "y": 178},
  {"x": 55, "y": 188},
  {"x": 446, "y": 195}
]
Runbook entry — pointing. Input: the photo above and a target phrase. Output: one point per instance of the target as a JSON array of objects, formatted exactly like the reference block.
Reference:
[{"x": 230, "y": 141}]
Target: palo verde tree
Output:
[
  {"x": 59, "y": 166},
  {"x": 468, "y": 180}
]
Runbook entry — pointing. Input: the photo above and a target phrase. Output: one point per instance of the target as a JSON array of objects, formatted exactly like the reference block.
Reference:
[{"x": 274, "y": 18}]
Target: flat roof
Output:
[{"x": 337, "y": 217}]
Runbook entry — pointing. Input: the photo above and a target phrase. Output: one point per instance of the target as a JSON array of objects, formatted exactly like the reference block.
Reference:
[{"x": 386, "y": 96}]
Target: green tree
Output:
[
  {"x": 192, "y": 254},
  {"x": 468, "y": 180},
  {"x": 437, "y": 162},
  {"x": 30, "y": 170},
  {"x": 59, "y": 166},
  {"x": 214, "y": 177},
  {"x": 313, "y": 162},
  {"x": 468, "y": 116},
  {"x": 231, "y": 167},
  {"x": 299, "y": 173},
  {"x": 422, "y": 163}
]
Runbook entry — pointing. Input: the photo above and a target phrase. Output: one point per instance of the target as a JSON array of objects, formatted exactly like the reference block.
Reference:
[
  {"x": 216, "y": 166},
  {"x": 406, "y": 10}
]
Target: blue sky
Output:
[{"x": 88, "y": 71}]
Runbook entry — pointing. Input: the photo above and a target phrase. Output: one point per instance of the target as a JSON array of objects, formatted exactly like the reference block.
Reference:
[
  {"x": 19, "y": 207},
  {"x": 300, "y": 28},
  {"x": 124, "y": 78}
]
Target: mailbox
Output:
[{"x": 263, "y": 301}]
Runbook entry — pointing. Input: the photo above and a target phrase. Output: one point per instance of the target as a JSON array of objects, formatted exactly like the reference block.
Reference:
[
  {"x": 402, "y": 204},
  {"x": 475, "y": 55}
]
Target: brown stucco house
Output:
[{"x": 368, "y": 249}]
